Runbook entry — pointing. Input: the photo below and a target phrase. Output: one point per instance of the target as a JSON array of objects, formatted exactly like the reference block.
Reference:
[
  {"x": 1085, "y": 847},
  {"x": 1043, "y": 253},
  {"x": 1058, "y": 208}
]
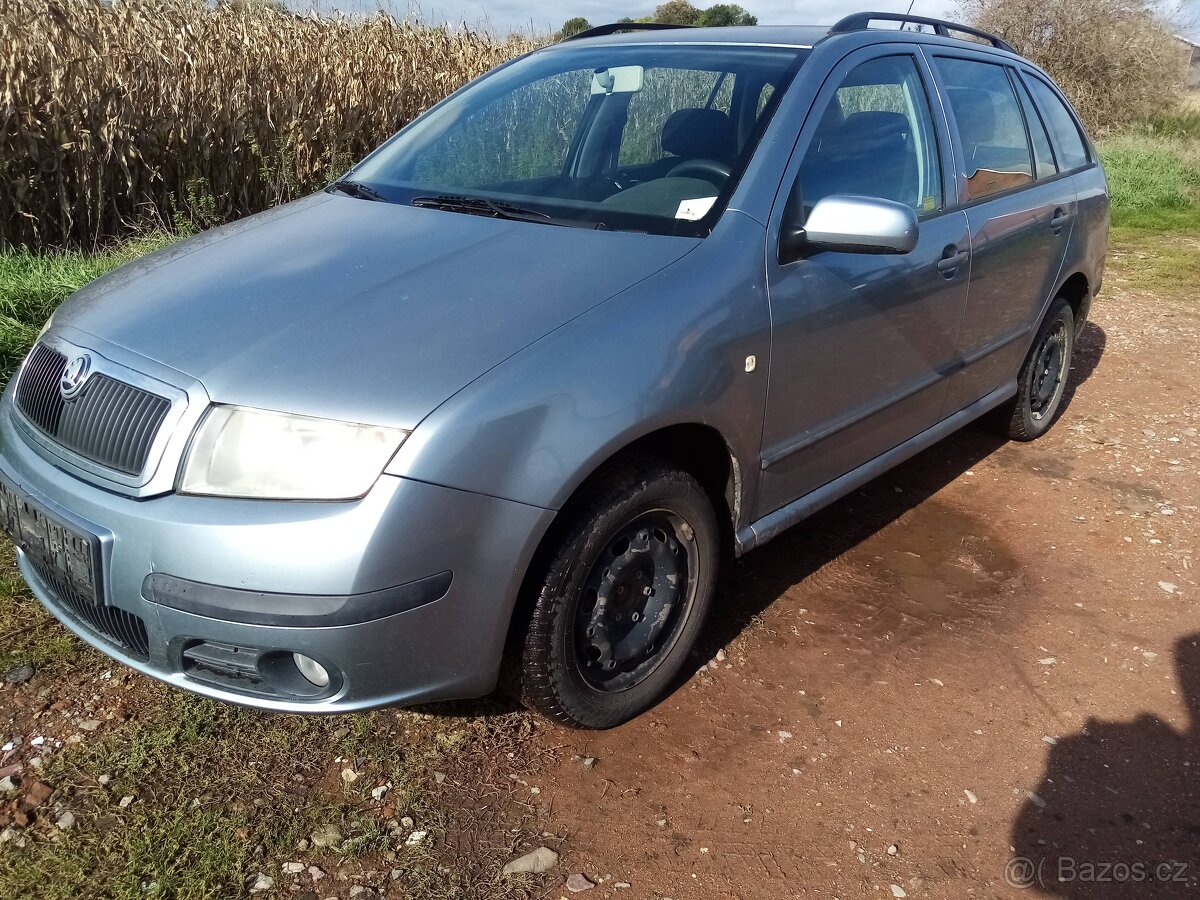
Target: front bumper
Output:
[{"x": 334, "y": 581}]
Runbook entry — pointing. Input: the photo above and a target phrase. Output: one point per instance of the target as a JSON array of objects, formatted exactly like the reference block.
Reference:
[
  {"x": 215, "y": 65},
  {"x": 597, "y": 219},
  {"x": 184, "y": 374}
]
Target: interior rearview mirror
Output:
[
  {"x": 618, "y": 80},
  {"x": 848, "y": 223}
]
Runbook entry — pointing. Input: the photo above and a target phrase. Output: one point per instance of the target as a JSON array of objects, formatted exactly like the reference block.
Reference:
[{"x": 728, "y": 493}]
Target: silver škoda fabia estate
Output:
[{"x": 527, "y": 372}]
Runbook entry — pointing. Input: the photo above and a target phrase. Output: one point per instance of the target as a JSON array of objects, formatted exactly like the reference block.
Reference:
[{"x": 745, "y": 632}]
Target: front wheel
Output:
[
  {"x": 1043, "y": 377},
  {"x": 623, "y": 597}
]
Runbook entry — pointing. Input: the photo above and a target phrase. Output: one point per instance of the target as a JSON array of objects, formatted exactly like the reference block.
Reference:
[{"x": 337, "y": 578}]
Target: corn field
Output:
[{"x": 168, "y": 110}]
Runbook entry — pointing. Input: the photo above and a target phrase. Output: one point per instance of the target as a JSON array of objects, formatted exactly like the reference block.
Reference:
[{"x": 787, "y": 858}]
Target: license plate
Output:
[{"x": 55, "y": 546}]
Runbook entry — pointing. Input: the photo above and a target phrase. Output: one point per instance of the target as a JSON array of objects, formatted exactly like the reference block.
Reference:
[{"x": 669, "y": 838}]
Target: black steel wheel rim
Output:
[
  {"x": 635, "y": 600},
  {"x": 1048, "y": 372}
]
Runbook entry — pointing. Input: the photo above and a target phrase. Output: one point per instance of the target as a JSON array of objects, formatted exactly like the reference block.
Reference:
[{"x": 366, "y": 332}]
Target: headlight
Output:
[
  {"x": 45, "y": 328},
  {"x": 243, "y": 452}
]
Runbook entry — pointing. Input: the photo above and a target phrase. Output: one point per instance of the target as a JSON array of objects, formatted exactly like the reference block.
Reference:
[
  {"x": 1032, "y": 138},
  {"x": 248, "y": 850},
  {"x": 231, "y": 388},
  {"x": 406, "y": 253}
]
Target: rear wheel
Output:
[
  {"x": 1043, "y": 377},
  {"x": 623, "y": 597}
]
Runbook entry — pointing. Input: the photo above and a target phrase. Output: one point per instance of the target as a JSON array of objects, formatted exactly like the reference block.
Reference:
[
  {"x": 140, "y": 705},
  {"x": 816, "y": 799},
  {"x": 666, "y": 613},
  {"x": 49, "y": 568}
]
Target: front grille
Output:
[
  {"x": 108, "y": 422},
  {"x": 117, "y": 626},
  {"x": 37, "y": 392}
]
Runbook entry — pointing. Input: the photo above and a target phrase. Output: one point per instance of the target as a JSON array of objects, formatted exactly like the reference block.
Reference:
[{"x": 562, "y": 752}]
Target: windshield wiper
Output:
[
  {"x": 482, "y": 206},
  {"x": 357, "y": 189}
]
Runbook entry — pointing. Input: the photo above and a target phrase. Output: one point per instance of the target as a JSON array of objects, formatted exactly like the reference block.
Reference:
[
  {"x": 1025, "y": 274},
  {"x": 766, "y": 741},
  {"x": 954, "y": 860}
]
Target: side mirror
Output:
[{"x": 847, "y": 223}]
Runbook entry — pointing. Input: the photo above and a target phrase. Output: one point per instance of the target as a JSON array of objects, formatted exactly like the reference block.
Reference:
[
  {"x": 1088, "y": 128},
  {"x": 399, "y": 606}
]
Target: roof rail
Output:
[
  {"x": 862, "y": 21},
  {"x": 616, "y": 27}
]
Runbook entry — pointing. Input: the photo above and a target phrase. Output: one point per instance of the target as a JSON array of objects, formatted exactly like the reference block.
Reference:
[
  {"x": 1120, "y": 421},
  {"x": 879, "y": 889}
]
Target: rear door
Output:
[
  {"x": 1089, "y": 238},
  {"x": 1020, "y": 209},
  {"x": 861, "y": 343}
]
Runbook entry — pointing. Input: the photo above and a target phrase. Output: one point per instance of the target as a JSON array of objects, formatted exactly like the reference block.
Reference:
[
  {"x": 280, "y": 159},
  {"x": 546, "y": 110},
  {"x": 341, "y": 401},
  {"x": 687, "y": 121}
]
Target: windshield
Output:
[{"x": 639, "y": 137}]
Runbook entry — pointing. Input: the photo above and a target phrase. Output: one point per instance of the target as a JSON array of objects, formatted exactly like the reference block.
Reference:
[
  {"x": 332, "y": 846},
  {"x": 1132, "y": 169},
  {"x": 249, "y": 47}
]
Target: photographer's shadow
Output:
[{"x": 1117, "y": 814}]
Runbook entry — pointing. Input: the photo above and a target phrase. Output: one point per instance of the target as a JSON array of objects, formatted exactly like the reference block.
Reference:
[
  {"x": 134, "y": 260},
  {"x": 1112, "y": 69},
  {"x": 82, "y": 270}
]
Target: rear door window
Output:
[
  {"x": 991, "y": 129},
  {"x": 1072, "y": 152}
]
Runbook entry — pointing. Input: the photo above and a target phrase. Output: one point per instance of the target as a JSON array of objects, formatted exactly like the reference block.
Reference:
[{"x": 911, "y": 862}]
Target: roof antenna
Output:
[{"x": 907, "y": 12}]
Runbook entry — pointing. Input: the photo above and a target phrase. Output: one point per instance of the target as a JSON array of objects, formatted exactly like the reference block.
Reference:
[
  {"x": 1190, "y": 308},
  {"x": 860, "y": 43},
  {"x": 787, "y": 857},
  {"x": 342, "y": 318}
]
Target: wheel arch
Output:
[
  {"x": 1077, "y": 291},
  {"x": 699, "y": 449}
]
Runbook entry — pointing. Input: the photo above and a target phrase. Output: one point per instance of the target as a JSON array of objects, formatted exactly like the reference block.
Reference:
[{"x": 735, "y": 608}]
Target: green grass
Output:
[
  {"x": 1182, "y": 122},
  {"x": 34, "y": 283},
  {"x": 223, "y": 793},
  {"x": 1154, "y": 178},
  {"x": 1154, "y": 181}
]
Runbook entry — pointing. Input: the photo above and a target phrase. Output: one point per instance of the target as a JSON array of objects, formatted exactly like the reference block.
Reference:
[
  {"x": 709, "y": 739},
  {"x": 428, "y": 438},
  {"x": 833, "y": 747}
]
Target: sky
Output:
[
  {"x": 547, "y": 15},
  {"x": 503, "y": 16}
]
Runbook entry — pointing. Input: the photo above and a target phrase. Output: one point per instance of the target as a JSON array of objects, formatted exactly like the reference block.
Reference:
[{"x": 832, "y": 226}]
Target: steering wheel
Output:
[{"x": 709, "y": 169}]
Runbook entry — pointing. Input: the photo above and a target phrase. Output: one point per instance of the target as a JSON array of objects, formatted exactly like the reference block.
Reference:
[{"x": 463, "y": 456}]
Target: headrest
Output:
[
  {"x": 975, "y": 114},
  {"x": 874, "y": 124},
  {"x": 699, "y": 134}
]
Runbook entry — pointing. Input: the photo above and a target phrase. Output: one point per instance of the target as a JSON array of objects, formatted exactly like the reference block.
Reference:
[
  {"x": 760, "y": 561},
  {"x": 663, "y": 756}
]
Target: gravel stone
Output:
[
  {"x": 543, "y": 859},
  {"x": 327, "y": 837},
  {"x": 578, "y": 883},
  {"x": 19, "y": 675},
  {"x": 262, "y": 883}
]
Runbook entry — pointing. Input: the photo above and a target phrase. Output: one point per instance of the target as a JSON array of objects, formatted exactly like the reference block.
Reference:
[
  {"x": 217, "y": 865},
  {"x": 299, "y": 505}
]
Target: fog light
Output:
[{"x": 312, "y": 670}]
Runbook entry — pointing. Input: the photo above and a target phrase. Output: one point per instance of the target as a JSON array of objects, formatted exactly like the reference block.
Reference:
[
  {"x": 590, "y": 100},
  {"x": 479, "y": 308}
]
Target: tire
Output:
[
  {"x": 1043, "y": 378},
  {"x": 611, "y": 625}
]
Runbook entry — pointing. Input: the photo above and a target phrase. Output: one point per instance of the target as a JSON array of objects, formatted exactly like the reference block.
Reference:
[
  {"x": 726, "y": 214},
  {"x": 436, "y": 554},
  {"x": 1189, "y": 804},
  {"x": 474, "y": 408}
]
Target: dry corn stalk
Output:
[{"x": 110, "y": 113}]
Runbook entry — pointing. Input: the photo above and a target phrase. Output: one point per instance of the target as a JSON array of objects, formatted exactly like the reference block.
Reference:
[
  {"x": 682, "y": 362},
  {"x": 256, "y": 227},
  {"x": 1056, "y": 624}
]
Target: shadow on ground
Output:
[
  {"x": 1117, "y": 814},
  {"x": 754, "y": 582},
  {"x": 1089, "y": 348}
]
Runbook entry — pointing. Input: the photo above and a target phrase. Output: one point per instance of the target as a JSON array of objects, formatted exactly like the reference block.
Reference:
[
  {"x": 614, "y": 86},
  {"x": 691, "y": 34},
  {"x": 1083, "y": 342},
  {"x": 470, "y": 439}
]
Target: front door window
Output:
[{"x": 876, "y": 139}]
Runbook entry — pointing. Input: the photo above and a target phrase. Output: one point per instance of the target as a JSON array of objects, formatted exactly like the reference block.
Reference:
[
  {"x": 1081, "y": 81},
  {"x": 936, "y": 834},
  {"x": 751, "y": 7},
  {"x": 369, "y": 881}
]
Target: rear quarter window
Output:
[
  {"x": 1072, "y": 151},
  {"x": 1043, "y": 156}
]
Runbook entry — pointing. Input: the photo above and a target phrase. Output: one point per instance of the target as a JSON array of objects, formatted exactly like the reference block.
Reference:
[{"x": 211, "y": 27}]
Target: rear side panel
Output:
[{"x": 1090, "y": 238}]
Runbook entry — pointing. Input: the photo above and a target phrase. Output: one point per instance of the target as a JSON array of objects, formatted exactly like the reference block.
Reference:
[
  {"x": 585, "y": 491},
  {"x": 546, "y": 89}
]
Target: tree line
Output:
[{"x": 674, "y": 12}]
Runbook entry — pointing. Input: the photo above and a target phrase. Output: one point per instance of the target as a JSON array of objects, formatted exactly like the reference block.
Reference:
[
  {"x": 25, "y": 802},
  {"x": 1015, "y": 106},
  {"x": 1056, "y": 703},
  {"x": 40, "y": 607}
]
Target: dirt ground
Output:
[{"x": 980, "y": 672}]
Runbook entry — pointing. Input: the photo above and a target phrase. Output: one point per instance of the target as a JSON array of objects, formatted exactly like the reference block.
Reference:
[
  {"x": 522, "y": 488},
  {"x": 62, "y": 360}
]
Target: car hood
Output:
[{"x": 357, "y": 310}]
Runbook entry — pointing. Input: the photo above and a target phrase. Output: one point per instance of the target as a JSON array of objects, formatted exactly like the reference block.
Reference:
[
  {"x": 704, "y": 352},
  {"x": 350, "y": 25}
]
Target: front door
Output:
[{"x": 862, "y": 344}]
